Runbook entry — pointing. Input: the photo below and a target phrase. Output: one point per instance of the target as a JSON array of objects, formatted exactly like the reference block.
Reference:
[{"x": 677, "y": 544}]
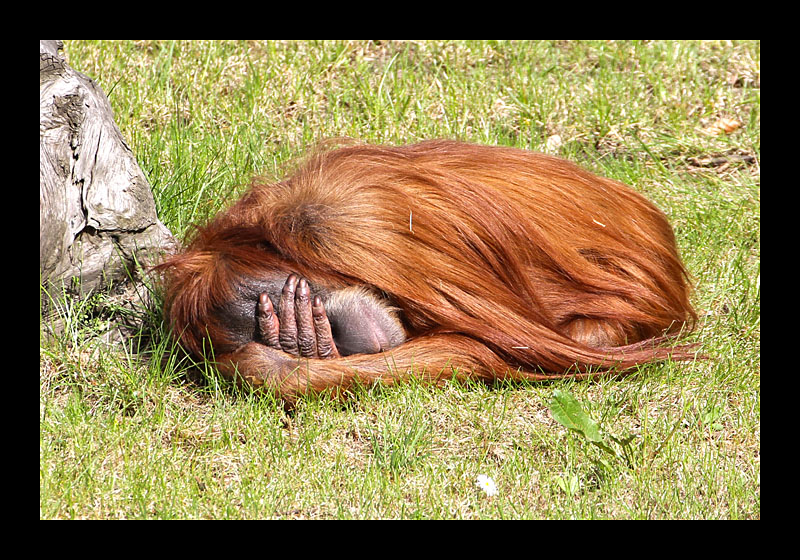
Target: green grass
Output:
[{"x": 136, "y": 432}]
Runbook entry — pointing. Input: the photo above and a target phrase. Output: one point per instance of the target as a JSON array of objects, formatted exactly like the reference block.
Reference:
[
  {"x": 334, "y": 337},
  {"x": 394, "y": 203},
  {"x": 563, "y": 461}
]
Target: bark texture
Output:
[{"x": 97, "y": 215}]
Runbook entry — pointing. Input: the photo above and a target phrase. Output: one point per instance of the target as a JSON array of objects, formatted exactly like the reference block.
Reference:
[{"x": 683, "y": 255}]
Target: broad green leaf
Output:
[{"x": 568, "y": 412}]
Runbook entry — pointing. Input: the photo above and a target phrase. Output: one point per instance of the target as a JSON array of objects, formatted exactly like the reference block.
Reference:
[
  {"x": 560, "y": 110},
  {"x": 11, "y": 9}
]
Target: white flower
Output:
[{"x": 486, "y": 484}]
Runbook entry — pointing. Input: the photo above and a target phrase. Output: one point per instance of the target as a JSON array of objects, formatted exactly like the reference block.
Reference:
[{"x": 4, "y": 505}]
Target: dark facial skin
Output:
[{"x": 309, "y": 320}]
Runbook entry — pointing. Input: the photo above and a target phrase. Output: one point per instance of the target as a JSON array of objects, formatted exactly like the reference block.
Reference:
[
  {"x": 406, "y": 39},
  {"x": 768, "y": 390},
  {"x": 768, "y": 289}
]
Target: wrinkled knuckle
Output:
[
  {"x": 301, "y": 300},
  {"x": 288, "y": 344},
  {"x": 325, "y": 351},
  {"x": 307, "y": 347}
]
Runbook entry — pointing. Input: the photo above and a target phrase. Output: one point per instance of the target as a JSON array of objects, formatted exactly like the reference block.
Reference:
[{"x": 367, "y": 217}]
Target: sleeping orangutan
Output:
[{"x": 437, "y": 259}]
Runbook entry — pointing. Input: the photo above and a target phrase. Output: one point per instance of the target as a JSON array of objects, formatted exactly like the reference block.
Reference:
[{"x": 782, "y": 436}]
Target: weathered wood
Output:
[{"x": 97, "y": 215}]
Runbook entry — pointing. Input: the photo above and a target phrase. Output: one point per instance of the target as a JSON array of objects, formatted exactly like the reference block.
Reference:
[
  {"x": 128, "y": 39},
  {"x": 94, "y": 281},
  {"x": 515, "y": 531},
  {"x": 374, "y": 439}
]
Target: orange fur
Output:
[{"x": 503, "y": 262}]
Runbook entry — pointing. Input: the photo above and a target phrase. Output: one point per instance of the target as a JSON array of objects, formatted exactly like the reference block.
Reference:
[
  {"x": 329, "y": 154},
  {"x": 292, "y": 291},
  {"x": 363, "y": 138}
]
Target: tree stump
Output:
[{"x": 97, "y": 215}]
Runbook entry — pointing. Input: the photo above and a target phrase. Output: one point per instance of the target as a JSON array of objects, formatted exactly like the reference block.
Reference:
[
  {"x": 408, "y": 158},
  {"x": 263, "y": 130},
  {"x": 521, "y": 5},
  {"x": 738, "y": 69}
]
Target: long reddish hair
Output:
[{"x": 503, "y": 262}]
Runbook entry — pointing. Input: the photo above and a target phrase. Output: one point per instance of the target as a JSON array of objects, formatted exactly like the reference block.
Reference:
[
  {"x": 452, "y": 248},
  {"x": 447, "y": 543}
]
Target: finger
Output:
[
  {"x": 306, "y": 337},
  {"x": 288, "y": 324},
  {"x": 326, "y": 347},
  {"x": 268, "y": 324}
]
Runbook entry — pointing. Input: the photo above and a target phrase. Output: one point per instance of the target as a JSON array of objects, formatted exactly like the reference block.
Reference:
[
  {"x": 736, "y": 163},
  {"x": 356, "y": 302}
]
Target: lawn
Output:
[{"x": 135, "y": 431}]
